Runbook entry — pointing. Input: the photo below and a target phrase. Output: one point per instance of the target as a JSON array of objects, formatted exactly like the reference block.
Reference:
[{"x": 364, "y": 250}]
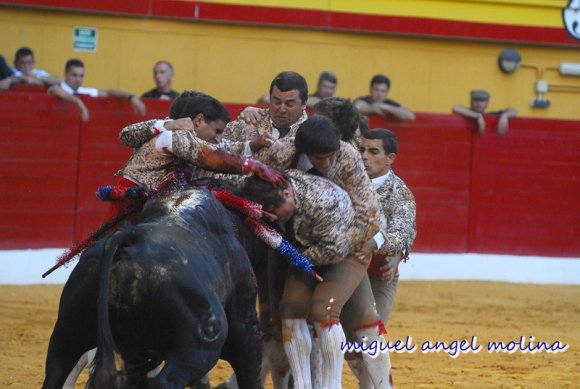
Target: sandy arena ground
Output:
[{"x": 425, "y": 311}]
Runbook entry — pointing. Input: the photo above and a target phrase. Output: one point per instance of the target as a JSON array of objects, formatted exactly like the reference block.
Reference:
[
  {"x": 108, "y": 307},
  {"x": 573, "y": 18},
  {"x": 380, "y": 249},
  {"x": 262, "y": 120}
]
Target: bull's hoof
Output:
[{"x": 223, "y": 385}]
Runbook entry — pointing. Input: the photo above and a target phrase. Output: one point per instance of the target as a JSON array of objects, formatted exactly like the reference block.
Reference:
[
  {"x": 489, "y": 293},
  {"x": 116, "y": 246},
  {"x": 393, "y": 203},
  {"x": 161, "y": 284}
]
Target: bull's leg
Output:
[
  {"x": 65, "y": 349},
  {"x": 85, "y": 360},
  {"x": 243, "y": 346},
  {"x": 75, "y": 330}
]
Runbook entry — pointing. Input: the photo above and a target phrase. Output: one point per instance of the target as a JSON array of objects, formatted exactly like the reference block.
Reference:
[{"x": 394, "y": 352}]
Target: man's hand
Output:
[
  {"x": 377, "y": 109},
  {"x": 366, "y": 250},
  {"x": 389, "y": 270},
  {"x": 138, "y": 105},
  {"x": 183, "y": 124},
  {"x": 84, "y": 111},
  {"x": 270, "y": 216},
  {"x": 502, "y": 124},
  {"x": 264, "y": 140},
  {"x": 481, "y": 123},
  {"x": 31, "y": 80},
  {"x": 265, "y": 172},
  {"x": 251, "y": 115}
]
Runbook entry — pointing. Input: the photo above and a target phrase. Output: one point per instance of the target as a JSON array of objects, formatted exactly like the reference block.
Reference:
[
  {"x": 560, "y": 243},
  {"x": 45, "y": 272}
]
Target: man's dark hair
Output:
[
  {"x": 262, "y": 192},
  {"x": 287, "y": 81},
  {"x": 73, "y": 63},
  {"x": 191, "y": 103},
  {"x": 169, "y": 65},
  {"x": 22, "y": 52},
  {"x": 363, "y": 124},
  {"x": 381, "y": 79},
  {"x": 390, "y": 143},
  {"x": 327, "y": 76},
  {"x": 317, "y": 135},
  {"x": 342, "y": 113}
]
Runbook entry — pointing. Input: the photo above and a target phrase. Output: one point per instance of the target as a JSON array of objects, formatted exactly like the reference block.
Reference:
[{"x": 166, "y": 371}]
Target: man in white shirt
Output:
[
  {"x": 72, "y": 86},
  {"x": 24, "y": 72}
]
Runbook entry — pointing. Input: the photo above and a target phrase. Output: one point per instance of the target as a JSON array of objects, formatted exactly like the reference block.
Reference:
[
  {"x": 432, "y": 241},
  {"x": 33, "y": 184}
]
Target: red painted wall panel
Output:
[
  {"x": 525, "y": 189},
  {"x": 38, "y": 170},
  {"x": 102, "y": 154},
  {"x": 434, "y": 161},
  {"x": 512, "y": 194}
]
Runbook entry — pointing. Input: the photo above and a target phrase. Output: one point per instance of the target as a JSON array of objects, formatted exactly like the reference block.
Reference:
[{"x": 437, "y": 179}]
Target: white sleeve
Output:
[
  {"x": 164, "y": 143},
  {"x": 379, "y": 240},
  {"x": 158, "y": 126},
  {"x": 247, "y": 149}
]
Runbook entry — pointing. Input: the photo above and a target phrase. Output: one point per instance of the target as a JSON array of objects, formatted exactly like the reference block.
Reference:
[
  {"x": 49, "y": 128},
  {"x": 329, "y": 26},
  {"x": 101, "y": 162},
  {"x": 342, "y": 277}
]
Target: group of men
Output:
[
  {"x": 71, "y": 87},
  {"x": 338, "y": 201},
  {"x": 376, "y": 102},
  {"x": 342, "y": 205}
]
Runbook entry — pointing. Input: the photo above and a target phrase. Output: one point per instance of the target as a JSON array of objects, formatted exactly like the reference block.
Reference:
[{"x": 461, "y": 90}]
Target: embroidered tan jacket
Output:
[
  {"x": 155, "y": 156},
  {"x": 348, "y": 172},
  {"x": 323, "y": 216},
  {"x": 398, "y": 212},
  {"x": 240, "y": 131},
  {"x": 134, "y": 135}
]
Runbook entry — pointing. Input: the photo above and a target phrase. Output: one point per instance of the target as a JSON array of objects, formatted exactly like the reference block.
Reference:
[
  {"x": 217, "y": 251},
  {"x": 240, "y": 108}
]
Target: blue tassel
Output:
[
  {"x": 297, "y": 260},
  {"x": 104, "y": 192},
  {"x": 134, "y": 193}
]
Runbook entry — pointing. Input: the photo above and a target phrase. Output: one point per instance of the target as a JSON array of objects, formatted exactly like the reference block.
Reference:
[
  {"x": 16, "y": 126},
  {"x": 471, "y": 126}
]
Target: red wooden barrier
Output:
[
  {"x": 511, "y": 194},
  {"x": 525, "y": 192},
  {"x": 102, "y": 154},
  {"x": 38, "y": 171},
  {"x": 434, "y": 160}
]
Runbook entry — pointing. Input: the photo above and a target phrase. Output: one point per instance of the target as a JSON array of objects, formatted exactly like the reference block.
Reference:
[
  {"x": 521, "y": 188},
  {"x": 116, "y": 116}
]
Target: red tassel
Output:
[
  {"x": 104, "y": 229},
  {"x": 246, "y": 207},
  {"x": 329, "y": 323},
  {"x": 378, "y": 323}
]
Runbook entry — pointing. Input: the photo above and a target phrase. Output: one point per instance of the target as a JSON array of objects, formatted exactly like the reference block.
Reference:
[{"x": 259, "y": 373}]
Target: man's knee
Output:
[
  {"x": 325, "y": 311},
  {"x": 290, "y": 309}
]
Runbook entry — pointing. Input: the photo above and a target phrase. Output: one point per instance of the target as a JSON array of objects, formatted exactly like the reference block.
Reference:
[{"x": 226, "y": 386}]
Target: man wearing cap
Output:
[{"x": 476, "y": 111}]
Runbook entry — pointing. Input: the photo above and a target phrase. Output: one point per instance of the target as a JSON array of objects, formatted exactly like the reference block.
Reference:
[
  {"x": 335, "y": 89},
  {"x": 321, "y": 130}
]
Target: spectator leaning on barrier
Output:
[
  {"x": 378, "y": 103},
  {"x": 71, "y": 87},
  {"x": 163, "y": 75},
  {"x": 476, "y": 111},
  {"x": 25, "y": 73},
  {"x": 325, "y": 88}
]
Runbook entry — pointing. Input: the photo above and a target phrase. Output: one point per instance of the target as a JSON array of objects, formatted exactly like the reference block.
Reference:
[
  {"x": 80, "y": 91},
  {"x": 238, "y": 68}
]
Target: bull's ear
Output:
[{"x": 210, "y": 326}]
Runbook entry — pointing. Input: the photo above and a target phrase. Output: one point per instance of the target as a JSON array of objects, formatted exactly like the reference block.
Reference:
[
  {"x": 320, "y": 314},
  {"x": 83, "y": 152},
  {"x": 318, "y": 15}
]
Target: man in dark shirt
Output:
[
  {"x": 479, "y": 100},
  {"x": 378, "y": 103},
  {"x": 163, "y": 75}
]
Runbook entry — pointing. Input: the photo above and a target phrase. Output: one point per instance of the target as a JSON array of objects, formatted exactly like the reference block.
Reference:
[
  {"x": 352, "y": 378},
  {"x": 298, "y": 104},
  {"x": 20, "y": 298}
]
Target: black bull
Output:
[{"x": 176, "y": 287}]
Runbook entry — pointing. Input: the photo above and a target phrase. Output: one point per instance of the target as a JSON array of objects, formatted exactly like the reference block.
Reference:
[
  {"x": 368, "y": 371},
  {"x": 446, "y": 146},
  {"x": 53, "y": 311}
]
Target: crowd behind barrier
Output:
[{"x": 510, "y": 194}]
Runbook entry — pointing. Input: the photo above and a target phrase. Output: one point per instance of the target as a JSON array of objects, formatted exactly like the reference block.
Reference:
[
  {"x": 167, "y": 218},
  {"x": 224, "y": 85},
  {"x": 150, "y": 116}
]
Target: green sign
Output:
[{"x": 85, "y": 39}]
